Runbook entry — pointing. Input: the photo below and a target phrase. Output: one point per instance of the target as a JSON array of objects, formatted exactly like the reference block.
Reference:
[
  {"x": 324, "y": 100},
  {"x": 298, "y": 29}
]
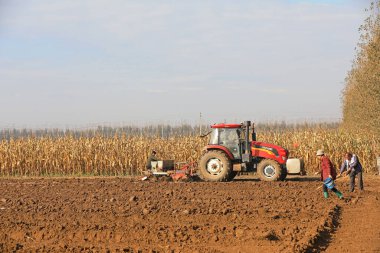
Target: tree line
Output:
[{"x": 361, "y": 94}]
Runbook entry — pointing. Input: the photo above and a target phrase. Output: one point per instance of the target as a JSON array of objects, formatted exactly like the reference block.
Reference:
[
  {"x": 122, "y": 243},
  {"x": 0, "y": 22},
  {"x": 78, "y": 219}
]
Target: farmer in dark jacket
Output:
[
  {"x": 327, "y": 171},
  {"x": 353, "y": 167},
  {"x": 151, "y": 158}
]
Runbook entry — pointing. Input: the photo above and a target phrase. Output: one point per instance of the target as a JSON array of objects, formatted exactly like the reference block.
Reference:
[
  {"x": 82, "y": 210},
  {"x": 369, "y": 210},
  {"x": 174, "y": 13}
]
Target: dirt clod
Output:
[{"x": 132, "y": 199}]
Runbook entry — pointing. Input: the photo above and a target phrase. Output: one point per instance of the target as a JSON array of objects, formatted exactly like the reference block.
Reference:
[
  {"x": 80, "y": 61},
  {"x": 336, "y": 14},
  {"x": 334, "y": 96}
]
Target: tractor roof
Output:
[{"x": 226, "y": 126}]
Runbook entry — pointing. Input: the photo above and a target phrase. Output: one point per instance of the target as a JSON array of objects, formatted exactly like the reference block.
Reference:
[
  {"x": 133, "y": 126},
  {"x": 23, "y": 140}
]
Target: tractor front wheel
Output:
[
  {"x": 269, "y": 170},
  {"x": 215, "y": 166}
]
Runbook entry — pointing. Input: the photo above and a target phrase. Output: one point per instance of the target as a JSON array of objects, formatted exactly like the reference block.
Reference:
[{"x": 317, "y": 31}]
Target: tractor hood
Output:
[{"x": 268, "y": 150}]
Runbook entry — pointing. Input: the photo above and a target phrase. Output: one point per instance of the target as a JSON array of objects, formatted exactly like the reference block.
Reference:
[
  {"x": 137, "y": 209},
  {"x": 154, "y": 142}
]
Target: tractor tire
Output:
[
  {"x": 215, "y": 166},
  {"x": 269, "y": 170}
]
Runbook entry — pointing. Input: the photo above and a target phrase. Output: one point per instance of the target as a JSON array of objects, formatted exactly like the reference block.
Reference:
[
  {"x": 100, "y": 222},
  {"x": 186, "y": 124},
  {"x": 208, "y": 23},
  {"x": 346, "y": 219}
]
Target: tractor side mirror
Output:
[
  {"x": 253, "y": 136},
  {"x": 204, "y": 135}
]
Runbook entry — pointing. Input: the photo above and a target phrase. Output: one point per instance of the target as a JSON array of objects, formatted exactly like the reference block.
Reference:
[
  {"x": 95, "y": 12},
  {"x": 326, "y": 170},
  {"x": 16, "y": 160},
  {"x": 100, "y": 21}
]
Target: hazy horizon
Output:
[{"x": 73, "y": 64}]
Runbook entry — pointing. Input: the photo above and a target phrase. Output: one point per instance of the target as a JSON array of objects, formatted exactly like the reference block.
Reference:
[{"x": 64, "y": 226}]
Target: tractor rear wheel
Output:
[
  {"x": 269, "y": 170},
  {"x": 215, "y": 166}
]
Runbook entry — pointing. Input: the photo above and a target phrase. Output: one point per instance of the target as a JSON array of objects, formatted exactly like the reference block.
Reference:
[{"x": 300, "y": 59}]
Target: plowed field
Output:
[{"x": 129, "y": 215}]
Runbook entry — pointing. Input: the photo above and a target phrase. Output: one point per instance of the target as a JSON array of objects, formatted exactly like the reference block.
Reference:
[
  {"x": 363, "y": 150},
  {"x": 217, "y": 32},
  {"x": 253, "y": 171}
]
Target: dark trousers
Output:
[
  {"x": 324, "y": 187},
  {"x": 352, "y": 180}
]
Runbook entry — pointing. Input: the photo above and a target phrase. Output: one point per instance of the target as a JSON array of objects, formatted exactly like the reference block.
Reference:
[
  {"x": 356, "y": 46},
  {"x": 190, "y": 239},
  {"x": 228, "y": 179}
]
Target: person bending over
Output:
[{"x": 352, "y": 167}]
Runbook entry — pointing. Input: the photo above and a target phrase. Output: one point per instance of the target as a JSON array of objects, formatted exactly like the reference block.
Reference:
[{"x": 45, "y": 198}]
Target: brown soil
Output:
[
  {"x": 358, "y": 228},
  {"x": 129, "y": 215}
]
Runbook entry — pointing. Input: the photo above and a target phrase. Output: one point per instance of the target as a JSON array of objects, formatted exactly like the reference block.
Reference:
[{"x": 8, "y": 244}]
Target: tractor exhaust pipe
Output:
[
  {"x": 253, "y": 132},
  {"x": 247, "y": 126},
  {"x": 247, "y": 156}
]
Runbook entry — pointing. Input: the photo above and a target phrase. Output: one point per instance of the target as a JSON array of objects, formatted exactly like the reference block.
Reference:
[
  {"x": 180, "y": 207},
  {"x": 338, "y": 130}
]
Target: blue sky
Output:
[{"x": 81, "y": 63}]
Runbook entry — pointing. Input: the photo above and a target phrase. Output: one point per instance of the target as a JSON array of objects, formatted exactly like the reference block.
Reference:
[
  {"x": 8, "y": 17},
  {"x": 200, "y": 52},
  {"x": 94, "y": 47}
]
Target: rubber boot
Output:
[
  {"x": 339, "y": 194},
  {"x": 326, "y": 195}
]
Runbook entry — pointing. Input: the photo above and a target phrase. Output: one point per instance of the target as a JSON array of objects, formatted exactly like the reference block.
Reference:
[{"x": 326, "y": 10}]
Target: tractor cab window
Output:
[
  {"x": 228, "y": 136},
  {"x": 222, "y": 136},
  {"x": 214, "y": 137}
]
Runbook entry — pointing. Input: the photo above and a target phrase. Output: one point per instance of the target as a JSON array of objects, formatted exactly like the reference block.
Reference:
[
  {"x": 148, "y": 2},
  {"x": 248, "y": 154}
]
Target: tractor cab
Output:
[
  {"x": 228, "y": 136},
  {"x": 235, "y": 138}
]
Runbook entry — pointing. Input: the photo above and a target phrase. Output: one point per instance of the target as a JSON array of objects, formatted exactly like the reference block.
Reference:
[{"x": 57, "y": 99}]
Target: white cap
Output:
[{"x": 320, "y": 152}]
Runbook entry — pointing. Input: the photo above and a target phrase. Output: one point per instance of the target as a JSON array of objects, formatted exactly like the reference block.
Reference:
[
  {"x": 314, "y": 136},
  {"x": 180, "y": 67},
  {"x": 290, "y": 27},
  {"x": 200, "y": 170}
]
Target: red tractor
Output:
[{"x": 232, "y": 149}]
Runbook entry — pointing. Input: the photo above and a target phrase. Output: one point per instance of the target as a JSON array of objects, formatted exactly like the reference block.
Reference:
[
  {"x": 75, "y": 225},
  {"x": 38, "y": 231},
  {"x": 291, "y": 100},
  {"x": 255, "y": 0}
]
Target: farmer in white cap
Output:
[{"x": 328, "y": 175}]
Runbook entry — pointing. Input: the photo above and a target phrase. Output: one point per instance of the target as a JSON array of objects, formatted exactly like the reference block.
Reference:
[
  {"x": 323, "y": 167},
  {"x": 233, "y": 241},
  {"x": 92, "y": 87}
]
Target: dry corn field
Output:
[{"x": 68, "y": 155}]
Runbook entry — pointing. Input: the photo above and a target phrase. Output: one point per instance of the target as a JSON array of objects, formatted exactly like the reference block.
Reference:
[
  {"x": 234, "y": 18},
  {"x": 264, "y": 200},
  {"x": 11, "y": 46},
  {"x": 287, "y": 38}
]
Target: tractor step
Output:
[{"x": 160, "y": 173}]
